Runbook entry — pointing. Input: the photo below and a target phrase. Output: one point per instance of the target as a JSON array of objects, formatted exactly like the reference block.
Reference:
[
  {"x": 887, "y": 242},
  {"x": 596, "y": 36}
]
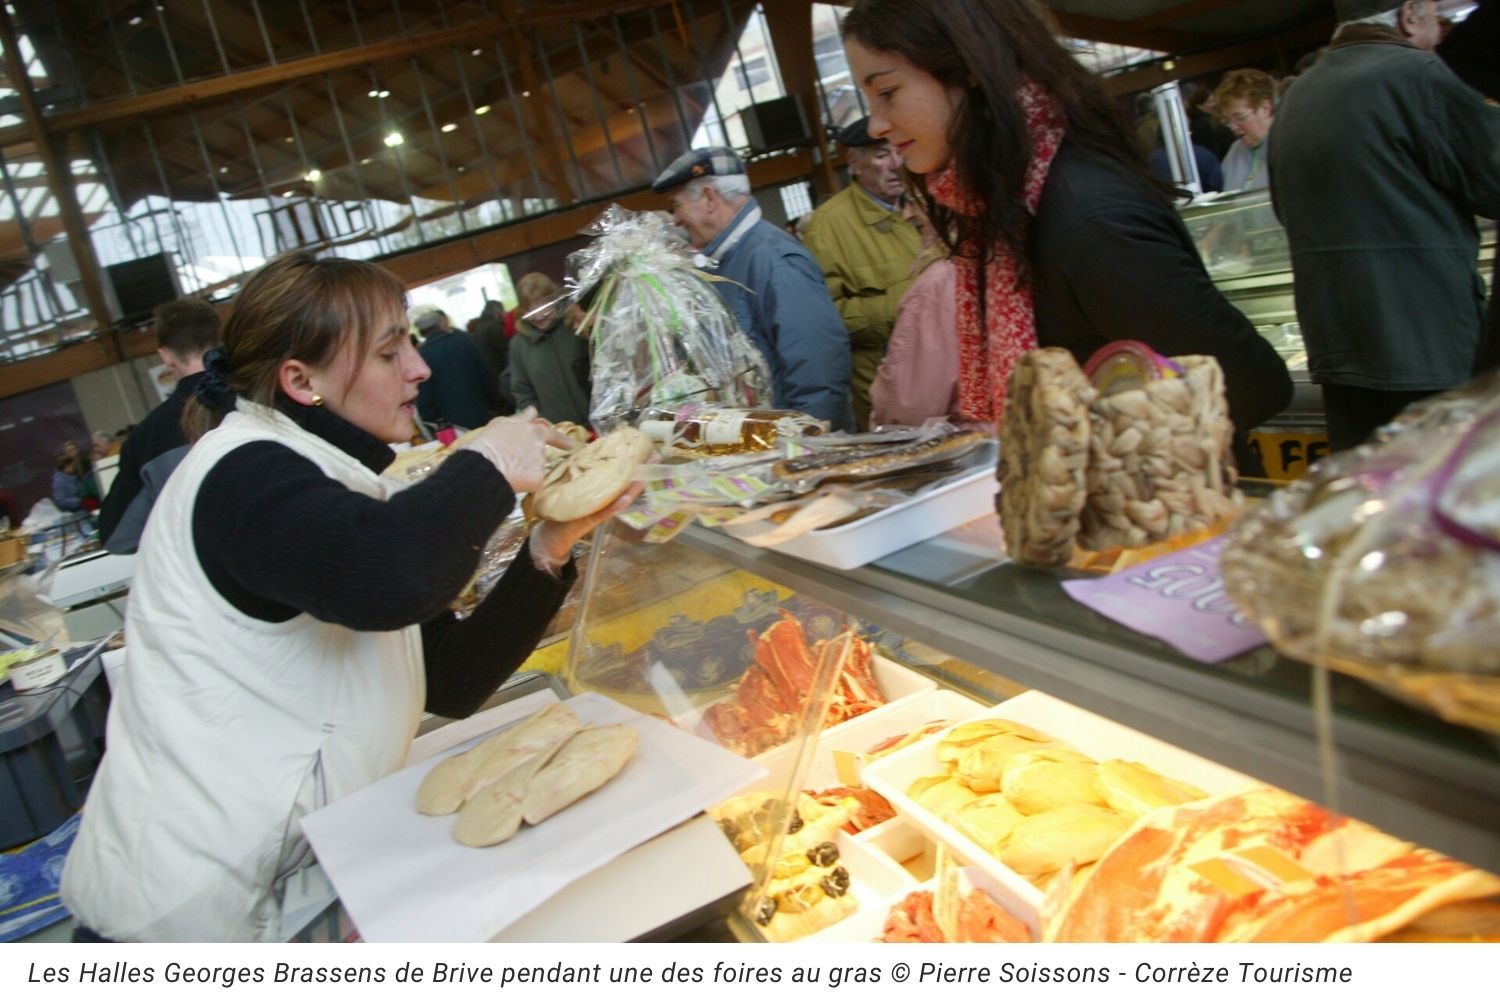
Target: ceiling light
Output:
[
  {"x": 483, "y": 109},
  {"x": 373, "y": 93},
  {"x": 290, "y": 138},
  {"x": 223, "y": 170},
  {"x": 462, "y": 168},
  {"x": 365, "y": 162},
  {"x": 395, "y": 139},
  {"x": 450, "y": 127},
  {"x": 287, "y": 194},
  {"x": 134, "y": 20},
  {"x": 1169, "y": 65},
  {"x": 525, "y": 93},
  {"x": 477, "y": 52},
  {"x": 383, "y": 93},
  {"x": 313, "y": 176}
]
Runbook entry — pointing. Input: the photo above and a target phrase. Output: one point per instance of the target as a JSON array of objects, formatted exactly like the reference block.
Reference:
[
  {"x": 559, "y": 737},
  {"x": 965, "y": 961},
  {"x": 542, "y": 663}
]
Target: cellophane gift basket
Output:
[
  {"x": 1384, "y": 561},
  {"x": 660, "y": 334}
]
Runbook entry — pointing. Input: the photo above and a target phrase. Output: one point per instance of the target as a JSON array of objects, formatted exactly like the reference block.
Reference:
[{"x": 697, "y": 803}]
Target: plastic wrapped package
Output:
[
  {"x": 1384, "y": 561},
  {"x": 660, "y": 335}
]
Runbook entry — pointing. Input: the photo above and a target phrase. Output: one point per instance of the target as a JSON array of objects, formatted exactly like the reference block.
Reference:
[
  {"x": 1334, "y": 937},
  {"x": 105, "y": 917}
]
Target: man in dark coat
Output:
[
  {"x": 1472, "y": 50},
  {"x": 185, "y": 330},
  {"x": 1382, "y": 159},
  {"x": 490, "y": 336},
  {"x": 461, "y": 390}
]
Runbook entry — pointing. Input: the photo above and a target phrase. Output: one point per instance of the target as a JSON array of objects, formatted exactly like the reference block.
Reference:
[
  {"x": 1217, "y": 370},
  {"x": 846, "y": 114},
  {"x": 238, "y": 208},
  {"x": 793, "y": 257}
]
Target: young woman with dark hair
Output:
[{"x": 1061, "y": 236}]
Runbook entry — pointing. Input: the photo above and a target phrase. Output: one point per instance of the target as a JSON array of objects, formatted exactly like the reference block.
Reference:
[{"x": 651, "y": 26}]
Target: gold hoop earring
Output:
[{"x": 317, "y": 400}]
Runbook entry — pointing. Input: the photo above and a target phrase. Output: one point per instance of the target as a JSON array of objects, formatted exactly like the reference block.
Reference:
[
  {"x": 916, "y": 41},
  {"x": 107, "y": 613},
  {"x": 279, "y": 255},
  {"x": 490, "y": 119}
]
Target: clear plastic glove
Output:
[
  {"x": 552, "y": 541},
  {"x": 514, "y": 446}
]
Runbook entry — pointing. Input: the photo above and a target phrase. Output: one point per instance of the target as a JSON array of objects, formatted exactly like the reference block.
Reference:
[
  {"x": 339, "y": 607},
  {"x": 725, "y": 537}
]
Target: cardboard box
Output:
[{"x": 12, "y": 549}]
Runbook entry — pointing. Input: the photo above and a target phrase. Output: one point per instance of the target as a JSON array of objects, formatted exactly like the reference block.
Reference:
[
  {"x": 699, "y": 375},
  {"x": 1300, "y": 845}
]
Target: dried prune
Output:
[{"x": 823, "y": 854}]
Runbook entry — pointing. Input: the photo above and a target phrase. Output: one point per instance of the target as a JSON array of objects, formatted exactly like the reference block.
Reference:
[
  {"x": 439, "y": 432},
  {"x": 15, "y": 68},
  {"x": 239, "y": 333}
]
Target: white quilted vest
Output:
[{"x": 227, "y": 730}]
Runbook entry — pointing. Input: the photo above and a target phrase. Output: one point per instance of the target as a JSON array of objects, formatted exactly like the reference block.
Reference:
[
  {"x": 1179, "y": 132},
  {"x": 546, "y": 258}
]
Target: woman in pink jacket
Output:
[{"x": 919, "y": 377}]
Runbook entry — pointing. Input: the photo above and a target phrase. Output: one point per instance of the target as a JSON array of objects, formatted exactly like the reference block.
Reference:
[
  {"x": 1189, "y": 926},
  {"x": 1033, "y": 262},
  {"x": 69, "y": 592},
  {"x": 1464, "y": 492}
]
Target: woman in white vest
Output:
[{"x": 288, "y": 620}]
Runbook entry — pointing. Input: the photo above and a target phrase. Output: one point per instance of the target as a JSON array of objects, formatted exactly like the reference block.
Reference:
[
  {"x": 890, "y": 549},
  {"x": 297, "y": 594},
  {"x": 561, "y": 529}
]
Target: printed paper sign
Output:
[{"x": 1179, "y": 598}]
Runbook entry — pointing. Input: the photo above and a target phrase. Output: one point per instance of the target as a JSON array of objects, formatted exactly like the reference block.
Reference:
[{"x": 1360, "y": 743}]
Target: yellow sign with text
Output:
[{"x": 1288, "y": 454}]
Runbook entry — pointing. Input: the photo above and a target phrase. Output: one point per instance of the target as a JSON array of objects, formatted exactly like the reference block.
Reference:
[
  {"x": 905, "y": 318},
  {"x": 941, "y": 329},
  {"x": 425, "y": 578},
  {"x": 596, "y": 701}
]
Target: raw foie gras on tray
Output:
[
  {"x": 526, "y": 772},
  {"x": 770, "y": 698},
  {"x": 1258, "y": 865}
]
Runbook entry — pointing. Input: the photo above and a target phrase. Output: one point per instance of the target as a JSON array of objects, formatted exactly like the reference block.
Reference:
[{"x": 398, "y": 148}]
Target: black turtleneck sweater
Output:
[{"x": 278, "y": 538}]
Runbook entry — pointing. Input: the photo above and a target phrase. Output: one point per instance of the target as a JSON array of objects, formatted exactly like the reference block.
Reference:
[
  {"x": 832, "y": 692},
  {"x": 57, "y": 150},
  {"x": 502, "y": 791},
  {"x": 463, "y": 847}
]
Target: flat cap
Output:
[
  {"x": 711, "y": 161},
  {"x": 857, "y": 133},
  {"x": 1353, "y": 10},
  {"x": 425, "y": 318}
]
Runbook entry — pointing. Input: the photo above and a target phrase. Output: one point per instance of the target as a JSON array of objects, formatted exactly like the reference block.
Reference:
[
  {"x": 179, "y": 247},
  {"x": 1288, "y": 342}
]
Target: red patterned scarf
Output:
[{"x": 987, "y": 356}]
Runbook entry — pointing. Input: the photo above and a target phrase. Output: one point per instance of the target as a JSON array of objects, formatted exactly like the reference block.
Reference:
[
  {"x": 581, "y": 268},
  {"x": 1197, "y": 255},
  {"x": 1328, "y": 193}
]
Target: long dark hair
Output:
[
  {"x": 982, "y": 48},
  {"x": 296, "y": 306}
]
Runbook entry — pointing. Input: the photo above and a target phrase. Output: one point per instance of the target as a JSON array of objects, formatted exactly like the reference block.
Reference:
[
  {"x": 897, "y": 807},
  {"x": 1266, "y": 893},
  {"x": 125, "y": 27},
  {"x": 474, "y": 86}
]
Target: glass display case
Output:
[
  {"x": 1246, "y": 253},
  {"x": 818, "y": 673},
  {"x": 1247, "y": 256}
]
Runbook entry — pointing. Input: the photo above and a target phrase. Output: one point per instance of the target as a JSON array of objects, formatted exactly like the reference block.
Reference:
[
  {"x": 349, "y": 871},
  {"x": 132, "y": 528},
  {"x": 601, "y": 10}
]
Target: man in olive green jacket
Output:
[{"x": 866, "y": 251}]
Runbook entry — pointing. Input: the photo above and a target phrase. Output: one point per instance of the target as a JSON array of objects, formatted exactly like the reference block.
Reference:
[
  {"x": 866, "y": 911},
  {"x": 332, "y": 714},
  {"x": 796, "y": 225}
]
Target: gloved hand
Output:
[
  {"x": 514, "y": 446},
  {"x": 552, "y": 541}
]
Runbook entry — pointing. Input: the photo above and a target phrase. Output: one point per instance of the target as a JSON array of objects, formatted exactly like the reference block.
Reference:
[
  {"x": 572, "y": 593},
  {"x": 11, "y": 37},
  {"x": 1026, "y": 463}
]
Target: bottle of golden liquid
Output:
[{"x": 727, "y": 431}]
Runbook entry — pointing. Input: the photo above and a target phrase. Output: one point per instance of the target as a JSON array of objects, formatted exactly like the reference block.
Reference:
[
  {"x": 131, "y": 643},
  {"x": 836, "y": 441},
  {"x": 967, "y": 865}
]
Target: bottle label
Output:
[
  {"x": 659, "y": 431},
  {"x": 726, "y": 427}
]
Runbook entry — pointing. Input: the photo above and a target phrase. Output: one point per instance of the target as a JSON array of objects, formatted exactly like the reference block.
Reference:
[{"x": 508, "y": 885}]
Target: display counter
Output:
[
  {"x": 1398, "y": 768},
  {"x": 957, "y": 631}
]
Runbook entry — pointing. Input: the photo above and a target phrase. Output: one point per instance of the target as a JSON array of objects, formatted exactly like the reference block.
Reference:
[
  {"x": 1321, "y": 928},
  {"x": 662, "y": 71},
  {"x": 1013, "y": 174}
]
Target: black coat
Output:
[
  {"x": 1470, "y": 50},
  {"x": 1381, "y": 160},
  {"x": 462, "y": 389},
  {"x": 1114, "y": 261},
  {"x": 158, "y": 432}
]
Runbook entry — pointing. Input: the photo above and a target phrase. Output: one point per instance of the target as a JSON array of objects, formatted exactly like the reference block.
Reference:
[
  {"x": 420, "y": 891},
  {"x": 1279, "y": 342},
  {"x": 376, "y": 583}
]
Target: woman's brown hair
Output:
[
  {"x": 297, "y": 307},
  {"x": 982, "y": 48}
]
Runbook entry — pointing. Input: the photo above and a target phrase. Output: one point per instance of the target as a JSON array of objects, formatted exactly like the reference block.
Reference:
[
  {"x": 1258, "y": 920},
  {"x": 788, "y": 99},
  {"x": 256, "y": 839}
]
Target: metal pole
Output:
[
  {"x": 588, "y": 68},
  {"x": 635, "y": 95},
  {"x": 1178, "y": 138}
]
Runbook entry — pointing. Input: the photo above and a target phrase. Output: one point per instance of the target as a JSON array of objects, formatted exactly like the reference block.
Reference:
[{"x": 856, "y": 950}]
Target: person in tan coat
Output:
[{"x": 866, "y": 252}]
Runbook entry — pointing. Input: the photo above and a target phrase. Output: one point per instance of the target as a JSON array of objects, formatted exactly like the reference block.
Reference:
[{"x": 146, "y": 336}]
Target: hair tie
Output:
[{"x": 213, "y": 389}]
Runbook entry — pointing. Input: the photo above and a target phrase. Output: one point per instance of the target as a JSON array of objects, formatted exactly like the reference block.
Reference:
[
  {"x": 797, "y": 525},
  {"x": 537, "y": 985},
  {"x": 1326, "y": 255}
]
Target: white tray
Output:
[
  {"x": 896, "y": 718},
  {"x": 1090, "y": 734},
  {"x": 916, "y": 520},
  {"x": 896, "y": 682}
]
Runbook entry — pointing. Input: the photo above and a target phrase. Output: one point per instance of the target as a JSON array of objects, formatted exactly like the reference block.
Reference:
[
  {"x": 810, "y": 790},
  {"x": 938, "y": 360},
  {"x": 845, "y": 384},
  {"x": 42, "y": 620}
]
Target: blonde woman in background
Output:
[{"x": 1247, "y": 103}]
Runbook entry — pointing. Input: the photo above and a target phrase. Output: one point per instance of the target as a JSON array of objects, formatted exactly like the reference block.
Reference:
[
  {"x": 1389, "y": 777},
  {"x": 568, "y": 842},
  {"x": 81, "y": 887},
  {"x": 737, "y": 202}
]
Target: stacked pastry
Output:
[
  {"x": 1035, "y": 803},
  {"x": 527, "y": 772},
  {"x": 806, "y": 889}
]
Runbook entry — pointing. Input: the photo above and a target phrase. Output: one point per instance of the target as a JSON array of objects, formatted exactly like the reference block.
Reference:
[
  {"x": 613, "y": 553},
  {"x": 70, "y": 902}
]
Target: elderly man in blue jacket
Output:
[{"x": 775, "y": 289}]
